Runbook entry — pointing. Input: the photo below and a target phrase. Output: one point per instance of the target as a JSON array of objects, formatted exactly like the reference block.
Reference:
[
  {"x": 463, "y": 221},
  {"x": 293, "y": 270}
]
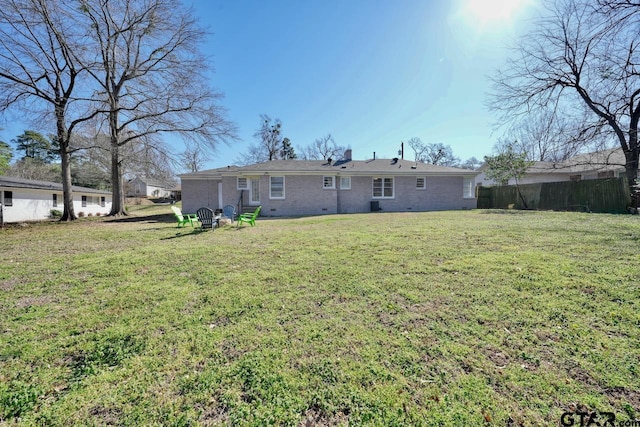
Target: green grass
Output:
[{"x": 444, "y": 318}]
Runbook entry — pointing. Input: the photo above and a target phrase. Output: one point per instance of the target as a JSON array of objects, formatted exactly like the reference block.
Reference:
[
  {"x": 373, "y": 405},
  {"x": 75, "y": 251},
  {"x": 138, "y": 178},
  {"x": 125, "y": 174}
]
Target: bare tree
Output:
[
  {"x": 39, "y": 73},
  {"x": 580, "y": 56},
  {"x": 547, "y": 137},
  {"x": 270, "y": 146},
  {"x": 440, "y": 154},
  {"x": 419, "y": 149},
  {"x": 322, "y": 149},
  {"x": 29, "y": 168},
  {"x": 269, "y": 135},
  {"x": 152, "y": 79},
  {"x": 471, "y": 163},
  {"x": 193, "y": 158},
  {"x": 434, "y": 153}
]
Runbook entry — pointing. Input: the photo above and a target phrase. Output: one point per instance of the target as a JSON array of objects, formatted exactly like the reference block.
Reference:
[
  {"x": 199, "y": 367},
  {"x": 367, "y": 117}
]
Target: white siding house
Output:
[
  {"x": 597, "y": 165},
  {"x": 145, "y": 187},
  {"x": 28, "y": 200}
]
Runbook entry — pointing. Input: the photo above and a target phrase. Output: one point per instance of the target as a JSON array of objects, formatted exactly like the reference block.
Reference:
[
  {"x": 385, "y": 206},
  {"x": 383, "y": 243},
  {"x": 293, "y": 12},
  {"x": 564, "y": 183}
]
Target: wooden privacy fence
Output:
[{"x": 609, "y": 195}]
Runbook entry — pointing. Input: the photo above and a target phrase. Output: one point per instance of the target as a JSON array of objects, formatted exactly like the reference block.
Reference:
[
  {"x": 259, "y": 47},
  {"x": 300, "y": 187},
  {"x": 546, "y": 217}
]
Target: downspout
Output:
[{"x": 338, "y": 207}]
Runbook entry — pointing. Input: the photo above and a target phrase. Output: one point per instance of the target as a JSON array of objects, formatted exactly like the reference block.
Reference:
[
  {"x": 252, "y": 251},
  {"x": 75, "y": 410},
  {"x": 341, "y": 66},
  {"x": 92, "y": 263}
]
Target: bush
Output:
[
  {"x": 80, "y": 214},
  {"x": 55, "y": 213}
]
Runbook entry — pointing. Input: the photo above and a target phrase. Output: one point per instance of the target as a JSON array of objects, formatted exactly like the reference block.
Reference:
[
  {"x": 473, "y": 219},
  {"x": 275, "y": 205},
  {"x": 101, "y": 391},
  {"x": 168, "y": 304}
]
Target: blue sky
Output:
[{"x": 372, "y": 73}]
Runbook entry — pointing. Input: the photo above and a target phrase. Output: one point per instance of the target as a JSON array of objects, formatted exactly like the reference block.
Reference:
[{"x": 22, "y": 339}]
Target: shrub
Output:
[
  {"x": 55, "y": 213},
  {"x": 80, "y": 214}
]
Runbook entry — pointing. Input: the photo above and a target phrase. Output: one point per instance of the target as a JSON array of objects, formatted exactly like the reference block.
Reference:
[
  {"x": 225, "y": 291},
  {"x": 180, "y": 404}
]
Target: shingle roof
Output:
[
  {"x": 13, "y": 182},
  {"x": 157, "y": 183},
  {"x": 355, "y": 167},
  {"x": 597, "y": 161},
  {"x": 611, "y": 159}
]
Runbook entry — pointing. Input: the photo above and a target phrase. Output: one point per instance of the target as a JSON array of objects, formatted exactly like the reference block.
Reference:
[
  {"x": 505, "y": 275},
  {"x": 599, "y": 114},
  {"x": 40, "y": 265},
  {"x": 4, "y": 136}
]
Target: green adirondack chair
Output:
[
  {"x": 184, "y": 219},
  {"x": 249, "y": 217}
]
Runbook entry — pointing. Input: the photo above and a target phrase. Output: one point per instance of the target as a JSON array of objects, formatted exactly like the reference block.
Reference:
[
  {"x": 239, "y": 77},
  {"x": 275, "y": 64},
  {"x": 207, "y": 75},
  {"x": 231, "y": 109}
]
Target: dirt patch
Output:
[
  {"x": 498, "y": 358},
  {"x": 621, "y": 395},
  {"x": 8, "y": 285},
  {"x": 213, "y": 415},
  {"x": 109, "y": 416},
  {"x": 315, "y": 417},
  {"x": 582, "y": 376},
  {"x": 34, "y": 301},
  {"x": 138, "y": 201}
]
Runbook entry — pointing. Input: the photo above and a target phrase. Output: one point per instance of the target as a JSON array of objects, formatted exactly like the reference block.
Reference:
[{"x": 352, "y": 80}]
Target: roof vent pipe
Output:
[{"x": 374, "y": 155}]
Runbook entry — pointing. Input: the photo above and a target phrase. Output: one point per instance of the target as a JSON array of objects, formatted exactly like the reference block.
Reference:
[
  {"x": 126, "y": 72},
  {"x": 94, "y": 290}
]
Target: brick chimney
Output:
[{"x": 347, "y": 154}]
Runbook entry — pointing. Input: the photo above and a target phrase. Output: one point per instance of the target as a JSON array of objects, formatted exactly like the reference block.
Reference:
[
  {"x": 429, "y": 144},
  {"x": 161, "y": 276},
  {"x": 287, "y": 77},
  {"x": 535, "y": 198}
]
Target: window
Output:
[
  {"x": 276, "y": 187},
  {"x": 8, "y": 198},
  {"x": 421, "y": 183},
  {"x": 467, "y": 188},
  {"x": 90, "y": 201},
  {"x": 382, "y": 188},
  {"x": 103, "y": 201},
  {"x": 328, "y": 182},
  {"x": 345, "y": 183},
  {"x": 605, "y": 174},
  {"x": 55, "y": 200},
  {"x": 242, "y": 184}
]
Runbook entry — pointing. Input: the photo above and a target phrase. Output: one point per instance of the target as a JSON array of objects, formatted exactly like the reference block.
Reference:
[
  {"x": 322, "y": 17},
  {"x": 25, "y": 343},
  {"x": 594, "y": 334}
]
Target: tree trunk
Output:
[
  {"x": 117, "y": 193},
  {"x": 631, "y": 157},
  {"x": 67, "y": 191},
  {"x": 524, "y": 202},
  {"x": 631, "y": 169},
  {"x": 68, "y": 213}
]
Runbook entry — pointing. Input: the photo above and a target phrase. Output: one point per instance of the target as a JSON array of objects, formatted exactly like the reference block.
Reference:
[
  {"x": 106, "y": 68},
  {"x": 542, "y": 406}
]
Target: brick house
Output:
[{"x": 315, "y": 187}]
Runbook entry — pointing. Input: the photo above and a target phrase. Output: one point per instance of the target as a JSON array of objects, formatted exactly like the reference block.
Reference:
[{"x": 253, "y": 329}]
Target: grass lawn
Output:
[{"x": 444, "y": 318}]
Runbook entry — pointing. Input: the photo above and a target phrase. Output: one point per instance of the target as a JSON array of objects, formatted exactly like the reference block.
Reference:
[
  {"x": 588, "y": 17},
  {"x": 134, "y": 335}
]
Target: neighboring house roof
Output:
[
  {"x": 350, "y": 167},
  {"x": 612, "y": 159},
  {"x": 13, "y": 182},
  {"x": 156, "y": 183}
]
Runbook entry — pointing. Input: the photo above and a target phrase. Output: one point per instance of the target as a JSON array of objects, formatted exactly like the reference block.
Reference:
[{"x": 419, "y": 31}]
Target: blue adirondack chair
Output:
[{"x": 229, "y": 211}]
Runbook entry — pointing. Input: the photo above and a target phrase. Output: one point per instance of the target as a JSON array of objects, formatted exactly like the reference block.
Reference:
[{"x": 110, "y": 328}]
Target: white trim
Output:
[
  {"x": 220, "y": 194},
  {"x": 254, "y": 191},
  {"x": 324, "y": 182},
  {"x": 383, "y": 178},
  {"x": 467, "y": 188},
  {"x": 271, "y": 196},
  {"x": 345, "y": 187},
  {"x": 246, "y": 183}
]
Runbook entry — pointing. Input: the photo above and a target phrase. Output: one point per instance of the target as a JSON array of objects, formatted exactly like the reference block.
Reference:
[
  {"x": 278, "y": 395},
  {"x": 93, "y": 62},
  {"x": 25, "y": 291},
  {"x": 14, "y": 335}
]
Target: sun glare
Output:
[{"x": 492, "y": 12}]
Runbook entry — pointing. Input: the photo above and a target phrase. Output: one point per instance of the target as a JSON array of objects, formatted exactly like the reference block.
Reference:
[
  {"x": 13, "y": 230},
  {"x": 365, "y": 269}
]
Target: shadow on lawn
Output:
[
  {"x": 160, "y": 218},
  {"x": 180, "y": 234}
]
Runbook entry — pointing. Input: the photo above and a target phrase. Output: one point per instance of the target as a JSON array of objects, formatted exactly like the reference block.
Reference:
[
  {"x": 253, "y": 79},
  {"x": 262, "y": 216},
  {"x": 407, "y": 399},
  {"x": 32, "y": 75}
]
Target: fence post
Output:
[{"x": 1, "y": 215}]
